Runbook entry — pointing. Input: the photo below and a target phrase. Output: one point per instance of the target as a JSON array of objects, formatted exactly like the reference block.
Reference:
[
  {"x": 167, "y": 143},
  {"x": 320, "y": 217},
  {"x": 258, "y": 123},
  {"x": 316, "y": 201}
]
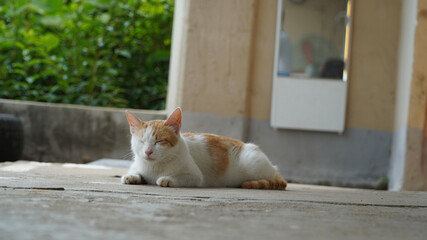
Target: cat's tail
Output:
[{"x": 276, "y": 183}]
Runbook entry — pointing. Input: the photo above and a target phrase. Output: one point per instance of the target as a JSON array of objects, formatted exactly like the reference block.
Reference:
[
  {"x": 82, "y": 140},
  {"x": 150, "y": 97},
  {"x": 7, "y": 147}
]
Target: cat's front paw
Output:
[
  {"x": 165, "y": 182},
  {"x": 131, "y": 179}
]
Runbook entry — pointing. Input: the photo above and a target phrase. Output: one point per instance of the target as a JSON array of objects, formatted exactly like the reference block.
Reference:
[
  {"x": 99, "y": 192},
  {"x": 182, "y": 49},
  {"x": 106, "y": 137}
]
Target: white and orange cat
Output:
[{"x": 164, "y": 156}]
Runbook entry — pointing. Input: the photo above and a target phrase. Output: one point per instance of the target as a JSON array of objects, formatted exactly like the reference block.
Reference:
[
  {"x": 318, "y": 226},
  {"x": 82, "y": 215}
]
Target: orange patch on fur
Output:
[
  {"x": 165, "y": 135},
  {"x": 235, "y": 144},
  {"x": 140, "y": 131},
  {"x": 232, "y": 143},
  {"x": 276, "y": 183},
  {"x": 190, "y": 134},
  {"x": 219, "y": 148},
  {"x": 219, "y": 152}
]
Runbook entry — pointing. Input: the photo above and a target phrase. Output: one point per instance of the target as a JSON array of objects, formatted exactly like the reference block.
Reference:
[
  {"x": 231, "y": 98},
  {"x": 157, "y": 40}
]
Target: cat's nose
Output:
[{"x": 148, "y": 152}]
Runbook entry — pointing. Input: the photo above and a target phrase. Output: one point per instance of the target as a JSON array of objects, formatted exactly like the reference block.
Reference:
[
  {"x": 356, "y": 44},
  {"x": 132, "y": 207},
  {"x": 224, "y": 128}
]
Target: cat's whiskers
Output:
[{"x": 128, "y": 155}]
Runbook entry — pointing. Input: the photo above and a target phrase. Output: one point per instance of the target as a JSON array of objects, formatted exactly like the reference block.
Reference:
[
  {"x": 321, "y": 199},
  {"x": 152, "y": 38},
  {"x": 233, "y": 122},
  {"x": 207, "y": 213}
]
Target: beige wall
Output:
[
  {"x": 373, "y": 64},
  {"x": 223, "y": 70},
  {"x": 259, "y": 97},
  {"x": 218, "y": 56},
  {"x": 229, "y": 60}
]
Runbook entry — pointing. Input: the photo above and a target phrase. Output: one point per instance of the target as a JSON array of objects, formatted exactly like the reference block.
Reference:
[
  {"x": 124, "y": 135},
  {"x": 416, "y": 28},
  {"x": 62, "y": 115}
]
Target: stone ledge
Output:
[{"x": 71, "y": 133}]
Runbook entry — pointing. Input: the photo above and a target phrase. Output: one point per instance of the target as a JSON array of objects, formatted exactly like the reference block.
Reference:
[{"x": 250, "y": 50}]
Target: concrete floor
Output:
[{"x": 69, "y": 201}]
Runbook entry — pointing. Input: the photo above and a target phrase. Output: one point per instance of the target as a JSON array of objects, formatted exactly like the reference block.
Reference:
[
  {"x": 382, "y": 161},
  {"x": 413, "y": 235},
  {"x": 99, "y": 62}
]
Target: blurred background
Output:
[{"x": 94, "y": 52}]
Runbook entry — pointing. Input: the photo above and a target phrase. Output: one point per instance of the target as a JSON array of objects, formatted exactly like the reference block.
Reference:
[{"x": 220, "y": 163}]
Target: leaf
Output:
[
  {"x": 49, "y": 72},
  {"x": 18, "y": 65},
  {"x": 47, "y": 6},
  {"x": 34, "y": 93},
  {"x": 30, "y": 79},
  {"x": 104, "y": 18},
  {"x": 49, "y": 41},
  {"x": 20, "y": 6},
  {"x": 161, "y": 55},
  {"x": 20, "y": 3},
  {"x": 100, "y": 3},
  {"x": 54, "y": 89},
  {"x": 20, "y": 45},
  {"x": 112, "y": 71},
  {"x": 38, "y": 6},
  {"x": 19, "y": 72},
  {"x": 34, "y": 62},
  {"x": 52, "y": 20},
  {"x": 124, "y": 53},
  {"x": 55, "y": 5}
]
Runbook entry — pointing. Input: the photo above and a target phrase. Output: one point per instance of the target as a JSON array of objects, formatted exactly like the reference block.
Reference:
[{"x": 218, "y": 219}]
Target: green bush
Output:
[{"x": 91, "y": 52}]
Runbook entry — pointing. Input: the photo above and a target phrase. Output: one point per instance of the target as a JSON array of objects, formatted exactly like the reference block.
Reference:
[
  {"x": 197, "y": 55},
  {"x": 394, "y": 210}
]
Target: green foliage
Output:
[{"x": 92, "y": 52}]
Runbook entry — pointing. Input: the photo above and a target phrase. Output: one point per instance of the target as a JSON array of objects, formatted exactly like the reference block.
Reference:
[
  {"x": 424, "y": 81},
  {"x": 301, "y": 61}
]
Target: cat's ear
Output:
[
  {"x": 134, "y": 122},
  {"x": 174, "y": 120}
]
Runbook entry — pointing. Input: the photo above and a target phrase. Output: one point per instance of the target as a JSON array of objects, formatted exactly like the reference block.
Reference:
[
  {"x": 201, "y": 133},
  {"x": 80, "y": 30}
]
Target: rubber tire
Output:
[{"x": 11, "y": 138}]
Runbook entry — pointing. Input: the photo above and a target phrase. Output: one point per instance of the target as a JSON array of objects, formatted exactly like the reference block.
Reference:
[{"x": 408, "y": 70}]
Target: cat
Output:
[{"x": 164, "y": 156}]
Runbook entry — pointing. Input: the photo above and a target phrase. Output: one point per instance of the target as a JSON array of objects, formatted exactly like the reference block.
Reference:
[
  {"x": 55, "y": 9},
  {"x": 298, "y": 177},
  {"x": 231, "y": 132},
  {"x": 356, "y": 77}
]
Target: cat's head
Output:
[{"x": 154, "y": 140}]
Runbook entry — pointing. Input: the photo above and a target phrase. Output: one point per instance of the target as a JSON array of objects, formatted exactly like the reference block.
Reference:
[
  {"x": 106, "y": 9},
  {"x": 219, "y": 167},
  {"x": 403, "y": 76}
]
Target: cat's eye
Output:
[{"x": 158, "y": 142}]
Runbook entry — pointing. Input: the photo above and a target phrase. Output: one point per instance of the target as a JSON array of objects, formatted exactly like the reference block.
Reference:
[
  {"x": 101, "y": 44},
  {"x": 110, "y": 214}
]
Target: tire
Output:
[{"x": 11, "y": 138}]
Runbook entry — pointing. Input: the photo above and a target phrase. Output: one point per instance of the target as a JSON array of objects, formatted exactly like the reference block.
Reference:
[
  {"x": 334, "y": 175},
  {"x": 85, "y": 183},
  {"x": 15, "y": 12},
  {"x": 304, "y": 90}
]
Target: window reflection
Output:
[{"x": 312, "y": 39}]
